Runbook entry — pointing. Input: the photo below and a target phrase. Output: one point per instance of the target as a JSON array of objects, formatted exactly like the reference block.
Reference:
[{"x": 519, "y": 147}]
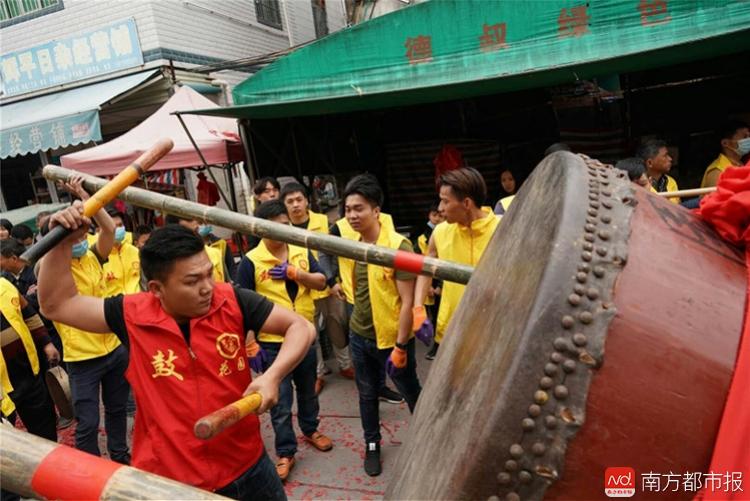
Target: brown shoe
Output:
[
  {"x": 319, "y": 384},
  {"x": 320, "y": 441},
  {"x": 347, "y": 373},
  {"x": 284, "y": 466}
]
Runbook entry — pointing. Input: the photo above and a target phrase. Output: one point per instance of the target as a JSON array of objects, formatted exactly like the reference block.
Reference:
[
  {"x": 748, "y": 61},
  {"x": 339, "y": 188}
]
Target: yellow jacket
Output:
[
  {"x": 721, "y": 163},
  {"x": 122, "y": 271},
  {"x": 10, "y": 305},
  {"x": 217, "y": 259},
  {"x": 462, "y": 244},
  {"x": 318, "y": 223},
  {"x": 384, "y": 297},
  {"x": 79, "y": 345},
  {"x": 275, "y": 290},
  {"x": 346, "y": 265}
]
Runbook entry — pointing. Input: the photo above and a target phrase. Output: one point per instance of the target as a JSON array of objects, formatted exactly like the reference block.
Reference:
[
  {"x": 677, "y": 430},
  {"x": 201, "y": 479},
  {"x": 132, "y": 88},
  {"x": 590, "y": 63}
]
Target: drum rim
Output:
[{"x": 58, "y": 385}]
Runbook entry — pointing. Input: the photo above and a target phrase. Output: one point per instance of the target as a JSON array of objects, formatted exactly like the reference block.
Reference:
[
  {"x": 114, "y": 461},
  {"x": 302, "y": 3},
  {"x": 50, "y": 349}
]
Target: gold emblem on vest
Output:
[
  {"x": 224, "y": 369},
  {"x": 228, "y": 345},
  {"x": 164, "y": 366}
]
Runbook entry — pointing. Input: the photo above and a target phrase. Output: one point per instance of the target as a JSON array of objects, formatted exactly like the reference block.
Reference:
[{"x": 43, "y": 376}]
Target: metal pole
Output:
[
  {"x": 41, "y": 469},
  {"x": 373, "y": 254}
]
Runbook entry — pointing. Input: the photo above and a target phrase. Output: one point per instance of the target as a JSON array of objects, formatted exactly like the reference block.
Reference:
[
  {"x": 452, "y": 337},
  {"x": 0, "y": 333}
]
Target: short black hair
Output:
[
  {"x": 293, "y": 187},
  {"x": 270, "y": 209},
  {"x": 165, "y": 246},
  {"x": 555, "y": 147},
  {"x": 260, "y": 185},
  {"x": 11, "y": 247},
  {"x": 141, "y": 230},
  {"x": 116, "y": 213},
  {"x": 6, "y": 224},
  {"x": 173, "y": 219},
  {"x": 21, "y": 232},
  {"x": 435, "y": 206},
  {"x": 730, "y": 128},
  {"x": 367, "y": 186},
  {"x": 650, "y": 148},
  {"x": 466, "y": 182},
  {"x": 634, "y": 166}
]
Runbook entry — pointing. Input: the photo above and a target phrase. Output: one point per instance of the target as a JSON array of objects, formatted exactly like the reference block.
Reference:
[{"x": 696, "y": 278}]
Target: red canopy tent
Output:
[{"x": 216, "y": 137}]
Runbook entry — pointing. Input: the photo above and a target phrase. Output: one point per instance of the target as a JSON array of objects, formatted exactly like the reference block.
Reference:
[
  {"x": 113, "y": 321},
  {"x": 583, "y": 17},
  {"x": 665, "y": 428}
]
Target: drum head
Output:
[
  {"x": 59, "y": 389},
  {"x": 508, "y": 388}
]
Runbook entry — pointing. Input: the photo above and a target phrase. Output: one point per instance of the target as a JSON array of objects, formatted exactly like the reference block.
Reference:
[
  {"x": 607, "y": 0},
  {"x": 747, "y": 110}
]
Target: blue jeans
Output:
[
  {"x": 86, "y": 377},
  {"x": 304, "y": 376},
  {"x": 259, "y": 482},
  {"x": 349, "y": 311},
  {"x": 369, "y": 362}
]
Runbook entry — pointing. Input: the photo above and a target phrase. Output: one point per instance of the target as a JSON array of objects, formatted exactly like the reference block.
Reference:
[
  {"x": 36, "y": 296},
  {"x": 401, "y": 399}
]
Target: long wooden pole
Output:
[
  {"x": 383, "y": 256},
  {"x": 686, "y": 193},
  {"x": 37, "y": 468},
  {"x": 211, "y": 425}
]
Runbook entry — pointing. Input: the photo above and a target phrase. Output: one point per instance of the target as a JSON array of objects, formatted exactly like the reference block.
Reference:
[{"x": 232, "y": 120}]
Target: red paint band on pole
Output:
[
  {"x": 69, "y": 474},
  {"x": 408, "y": 261}
]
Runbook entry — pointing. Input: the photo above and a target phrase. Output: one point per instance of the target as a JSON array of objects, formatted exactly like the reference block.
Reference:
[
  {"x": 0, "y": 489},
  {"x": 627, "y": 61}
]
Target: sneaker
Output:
[
  {"x": 348, "y": 373},
  {"x": 433, "y": 351},
  {"x": 372, "y": 459},
  {"x": 63, "y": 422},
  {"x": 320, "y": 441},
  {"x": 388, "y": 395},
  {"x": 319, "y": 384},
  {"x": 284, "y": 466}
]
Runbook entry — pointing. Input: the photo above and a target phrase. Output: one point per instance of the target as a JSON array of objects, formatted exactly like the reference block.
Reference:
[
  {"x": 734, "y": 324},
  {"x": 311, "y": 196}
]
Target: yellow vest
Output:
[
  {"x": 275, "y": 290},
  {"x": 672, "y": 186},
  {"x": 506, "y": 201},
  {"x": 464, "y": 245},
  {"x": 319, "y": 224},
  {"x": 79, "y": 345},
  {"x": 10, "y": 305},
  {"x": 217, "y": 259},
  {"x": 721, "y": 163},
  {"x": 122, "y": 271},
  {"x": 346, "y": 266},
  {"x": 384, "y": 298}
]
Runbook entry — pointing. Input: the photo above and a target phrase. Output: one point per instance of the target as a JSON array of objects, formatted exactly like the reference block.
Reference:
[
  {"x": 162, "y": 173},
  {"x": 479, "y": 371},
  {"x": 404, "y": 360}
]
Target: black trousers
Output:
[{"x": 34, "y": 406}]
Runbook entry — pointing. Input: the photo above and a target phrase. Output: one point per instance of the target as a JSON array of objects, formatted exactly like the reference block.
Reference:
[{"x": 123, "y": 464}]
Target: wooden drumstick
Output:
[
  {"x": 102, "y": 197},
  {"x": 686, "y": 193},
  {"x": 209, "y": 426}
]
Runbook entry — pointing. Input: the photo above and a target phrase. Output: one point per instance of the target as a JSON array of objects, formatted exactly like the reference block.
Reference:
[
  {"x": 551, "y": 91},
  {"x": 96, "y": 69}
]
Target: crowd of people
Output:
[{"x": 164, "y": 323}]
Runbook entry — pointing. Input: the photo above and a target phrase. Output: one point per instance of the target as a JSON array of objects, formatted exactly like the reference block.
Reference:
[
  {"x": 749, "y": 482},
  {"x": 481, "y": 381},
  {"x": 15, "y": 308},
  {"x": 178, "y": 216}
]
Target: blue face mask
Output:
[
  {"x": 119, "y": 234},
  {"x": 79, "y": 249},
  {"x": 743, "y": 146},
  {"x": 205, "y": 230}
]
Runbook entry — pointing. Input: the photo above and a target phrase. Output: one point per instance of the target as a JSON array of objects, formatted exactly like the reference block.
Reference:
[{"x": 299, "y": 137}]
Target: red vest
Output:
[{"x": 175, "y": 384}]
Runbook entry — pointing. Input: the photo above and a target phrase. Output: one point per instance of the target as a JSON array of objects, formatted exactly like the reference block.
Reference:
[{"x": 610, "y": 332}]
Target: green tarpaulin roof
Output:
[{"x": 451, "y": 49}]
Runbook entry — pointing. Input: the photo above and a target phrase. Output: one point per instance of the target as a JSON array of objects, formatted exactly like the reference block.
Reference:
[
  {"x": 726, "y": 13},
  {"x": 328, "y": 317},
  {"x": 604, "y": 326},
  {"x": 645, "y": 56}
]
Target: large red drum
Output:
[{"x": 600, "y": 329}]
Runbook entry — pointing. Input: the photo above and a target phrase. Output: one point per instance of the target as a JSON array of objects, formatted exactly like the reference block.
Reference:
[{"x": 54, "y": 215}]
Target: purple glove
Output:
[
  {"x": 259, "y": 362},
  {"x": 283, "y": 271},
  {"x": 422, "y": 326},
  {"x": 396, "y": 362}
]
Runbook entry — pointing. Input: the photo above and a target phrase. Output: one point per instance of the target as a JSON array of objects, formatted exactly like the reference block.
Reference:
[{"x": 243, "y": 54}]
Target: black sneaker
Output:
[
  {"x": 433, "y": 351},
  {"x": 372, "y": 459},
  {"x": 388, "y": 395}
]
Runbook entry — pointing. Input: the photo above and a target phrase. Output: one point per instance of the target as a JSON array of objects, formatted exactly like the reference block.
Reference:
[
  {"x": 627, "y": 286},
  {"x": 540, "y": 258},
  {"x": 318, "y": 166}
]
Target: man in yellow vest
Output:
[
  {"x": 381, "y": 320},
  {"x": 122, "y": 271},
  {"x": 23, "y": 338},
  {"x": 462, "y": 238},
  {"x": 734, "y": 137},
  {"x": 297, "y": 203},
  {"x": 214, "y": 254},
  {"x": 287, "y": 275},
  {"x": 96, "y": 362},
  {"x": 655, "y": 156}
]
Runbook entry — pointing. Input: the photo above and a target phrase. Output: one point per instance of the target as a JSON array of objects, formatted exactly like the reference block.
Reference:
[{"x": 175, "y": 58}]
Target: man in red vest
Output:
[{"x": 186, "y": 337}]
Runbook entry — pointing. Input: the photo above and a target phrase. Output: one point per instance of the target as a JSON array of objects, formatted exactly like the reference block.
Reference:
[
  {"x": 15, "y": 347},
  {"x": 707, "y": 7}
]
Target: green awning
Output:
[{"x": 452, "y": 49}]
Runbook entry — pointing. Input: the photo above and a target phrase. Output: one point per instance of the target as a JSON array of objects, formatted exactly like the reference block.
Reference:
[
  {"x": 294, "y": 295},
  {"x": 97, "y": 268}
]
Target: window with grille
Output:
[
  {"x": 268, "y": 12},
  {"x": 12, "y": 9}
]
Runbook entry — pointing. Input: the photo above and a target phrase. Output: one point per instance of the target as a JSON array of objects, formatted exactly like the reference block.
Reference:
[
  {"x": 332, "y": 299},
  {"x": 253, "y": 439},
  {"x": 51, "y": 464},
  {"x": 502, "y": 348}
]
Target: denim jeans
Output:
[
  {"x": 86, "y": 377},
  {"x": 349, "y": 311},
  {"x": 260, "y": 482},
  {"x": 369, "y": 362},
  {"x": 303, "y": 376}
]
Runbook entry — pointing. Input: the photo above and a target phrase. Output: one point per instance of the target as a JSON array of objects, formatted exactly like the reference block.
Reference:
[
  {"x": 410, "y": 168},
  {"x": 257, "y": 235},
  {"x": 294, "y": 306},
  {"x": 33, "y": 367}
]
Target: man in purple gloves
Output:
[
  {"x": 381, "y": 322},
  {"x": 285, "y": 274}
]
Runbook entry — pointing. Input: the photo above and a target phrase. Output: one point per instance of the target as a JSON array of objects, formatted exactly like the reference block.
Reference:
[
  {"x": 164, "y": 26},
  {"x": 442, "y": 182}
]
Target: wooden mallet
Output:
[
  {"x": 102, "y": 197},
  {"x": 209, "y": 426}
]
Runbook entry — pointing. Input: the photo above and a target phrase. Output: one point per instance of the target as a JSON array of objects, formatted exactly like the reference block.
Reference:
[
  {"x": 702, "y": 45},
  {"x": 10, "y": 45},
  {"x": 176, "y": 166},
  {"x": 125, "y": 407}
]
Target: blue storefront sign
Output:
[{"x": 103, "y": 50}]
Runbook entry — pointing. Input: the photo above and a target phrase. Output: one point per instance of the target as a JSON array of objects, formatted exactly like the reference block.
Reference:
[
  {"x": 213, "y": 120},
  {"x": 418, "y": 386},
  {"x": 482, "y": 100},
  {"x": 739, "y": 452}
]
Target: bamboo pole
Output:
[
  {"x": 38, "y": 468},
  {"x": 686, "y": 193},
  {"x": 211, "y": 425},
  {"x": 373, "y": 254}
]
